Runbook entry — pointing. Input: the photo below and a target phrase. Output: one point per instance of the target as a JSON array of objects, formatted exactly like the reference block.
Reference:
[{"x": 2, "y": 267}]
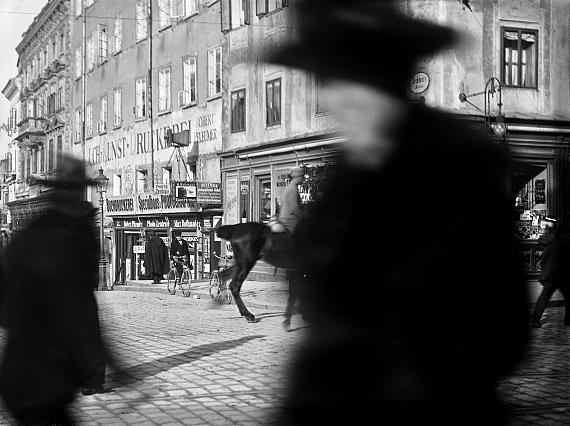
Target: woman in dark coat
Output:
[
  {"x": 49, "y": 310},
  {"x": 156, "y": 257}
]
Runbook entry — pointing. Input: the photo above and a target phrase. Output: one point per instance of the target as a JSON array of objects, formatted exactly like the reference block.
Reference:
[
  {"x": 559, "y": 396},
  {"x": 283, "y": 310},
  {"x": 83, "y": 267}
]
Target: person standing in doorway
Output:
[{"x": 156, "y": 257}]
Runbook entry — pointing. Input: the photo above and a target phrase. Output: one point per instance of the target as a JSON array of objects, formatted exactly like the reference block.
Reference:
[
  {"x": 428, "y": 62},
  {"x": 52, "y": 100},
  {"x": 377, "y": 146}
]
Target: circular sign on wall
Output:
[{"x": 419, "y": 82}]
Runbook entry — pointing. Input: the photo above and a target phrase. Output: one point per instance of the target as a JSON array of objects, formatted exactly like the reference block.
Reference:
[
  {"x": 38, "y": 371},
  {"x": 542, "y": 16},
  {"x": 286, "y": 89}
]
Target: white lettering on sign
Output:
[
  {"x": 419, "y": 82},
  {"x": 184, "y": 223},
  {"x": 138, "y": 249}
]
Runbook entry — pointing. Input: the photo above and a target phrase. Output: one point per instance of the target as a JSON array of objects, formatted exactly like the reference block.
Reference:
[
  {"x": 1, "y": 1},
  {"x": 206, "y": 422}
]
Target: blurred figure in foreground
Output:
[
  {"x": 555, "y": 272},
  {"x": 156, "y": 257},
  {"x": 54, "y": 343},
  {"x": 442, "y": 313}
]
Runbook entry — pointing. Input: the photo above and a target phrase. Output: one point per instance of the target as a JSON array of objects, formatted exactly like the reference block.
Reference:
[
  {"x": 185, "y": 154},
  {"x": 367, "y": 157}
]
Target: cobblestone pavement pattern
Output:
[
  {"x": 188, "y": 363},
  {"x": 539, "y": 391},
  {"x": 192, "y": 364}
]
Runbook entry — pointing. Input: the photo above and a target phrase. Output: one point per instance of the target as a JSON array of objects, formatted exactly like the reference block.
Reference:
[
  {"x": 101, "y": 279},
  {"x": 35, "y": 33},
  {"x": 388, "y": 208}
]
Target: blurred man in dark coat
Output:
[
  {"x": 49, "y": 310},
  {"x": 443, "y": 311},
  {"x": 555, "y": 274},
  {"x": 156, "y": 257}
]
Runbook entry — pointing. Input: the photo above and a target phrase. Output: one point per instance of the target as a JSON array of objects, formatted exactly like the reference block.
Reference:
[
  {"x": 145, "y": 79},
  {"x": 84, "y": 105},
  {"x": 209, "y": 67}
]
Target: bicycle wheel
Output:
[
  {"x": 185, "y": 283},
  {"x": 214, "y": 288},
  {"x": 171, "y": 281}
]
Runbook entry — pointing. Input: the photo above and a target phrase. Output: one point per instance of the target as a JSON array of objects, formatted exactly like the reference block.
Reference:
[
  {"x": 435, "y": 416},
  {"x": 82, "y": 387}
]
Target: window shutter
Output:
[
  {"x": 261, "y": 7},
  {"x": 225, "y": 11}
]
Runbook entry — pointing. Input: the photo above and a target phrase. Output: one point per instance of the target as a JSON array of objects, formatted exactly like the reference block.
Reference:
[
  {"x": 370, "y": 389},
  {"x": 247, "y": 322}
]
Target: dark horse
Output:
[{"x": 250, "y": 242}]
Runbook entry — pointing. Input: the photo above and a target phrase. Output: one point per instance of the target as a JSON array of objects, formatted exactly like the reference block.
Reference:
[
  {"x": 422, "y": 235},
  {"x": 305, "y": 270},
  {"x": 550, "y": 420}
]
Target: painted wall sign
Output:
[{"x": 419, "y": 82}]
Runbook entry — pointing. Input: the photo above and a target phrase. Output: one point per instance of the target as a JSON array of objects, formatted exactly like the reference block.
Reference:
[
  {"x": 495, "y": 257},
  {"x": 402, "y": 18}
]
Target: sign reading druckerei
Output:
[{"x": 148, "y": 203}]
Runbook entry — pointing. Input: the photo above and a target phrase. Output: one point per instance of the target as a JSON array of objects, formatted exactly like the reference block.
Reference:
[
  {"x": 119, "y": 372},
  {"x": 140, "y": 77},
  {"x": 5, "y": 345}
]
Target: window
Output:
[
  {"x": 141, "y": 19},
  {"x": 102, "y": 37},
  {"x": 273, "y": 102},
  {"x": 235, "y": 13},
  {"x": 117, "y": 184},
  {"x": 89, "y": 120},
  {"x": 103, "y": 115},
  {"x": 117, "y": 116},
  {"x": 166, "y": 175},
  {"x": 78, "y": 63},
  {"x": 51, "y": 99},
  {"x": 190, "y": 7},
  {"x": 89, "y": 3},
  {"x": 164, "y": 13},
  {"x": 189, "y": 80},
  {"x": 78, "y": 126},
  {"x": 321, "y": 96},
  {"x": 42, "y": 159},
  {"x": 50, "y": 158},
  {"x": 164, "y": 89},
  {"x": 266, "y": 6},
  {"x": 61, "y": 49},
  {"x": 118, "y": 34},
  {"x": 90, "y": 54},
  {"x": 59, "y": 148},
  {"x": 520, "y": 59},
  {"x": 141, "y": 181},
  {"x": 238, "y": 111},
  {"x": 214, "y": 71},
  {"x": 34, "y": 153},
  {"x": 59, "y": 98},
  {"x": 140, "y": 98},
  {"x": 78, "y": 7}
]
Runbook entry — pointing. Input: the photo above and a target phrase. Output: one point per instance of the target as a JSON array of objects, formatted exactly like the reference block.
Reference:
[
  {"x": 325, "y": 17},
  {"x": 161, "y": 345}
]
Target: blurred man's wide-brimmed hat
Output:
[
  {"x": 362, "y": 40},
  {"x": 69, "y": 174}
]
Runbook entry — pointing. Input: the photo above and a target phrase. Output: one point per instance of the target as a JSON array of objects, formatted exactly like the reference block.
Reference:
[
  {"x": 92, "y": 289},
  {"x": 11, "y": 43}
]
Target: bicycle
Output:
[
  {"x": 218, "y": 288},
  {"x": 174, "y": 278}
]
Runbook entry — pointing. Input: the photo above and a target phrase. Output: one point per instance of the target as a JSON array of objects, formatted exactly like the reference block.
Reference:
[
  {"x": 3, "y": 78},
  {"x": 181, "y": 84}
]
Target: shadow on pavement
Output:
[{"x": 138, "y": 372}]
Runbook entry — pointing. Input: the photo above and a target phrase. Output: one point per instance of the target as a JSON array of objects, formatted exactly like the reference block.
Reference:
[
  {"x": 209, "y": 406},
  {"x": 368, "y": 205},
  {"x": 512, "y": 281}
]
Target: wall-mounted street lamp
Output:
[
  {"x": 102, "y": 183},
  {"x": 495, "y": 125}
]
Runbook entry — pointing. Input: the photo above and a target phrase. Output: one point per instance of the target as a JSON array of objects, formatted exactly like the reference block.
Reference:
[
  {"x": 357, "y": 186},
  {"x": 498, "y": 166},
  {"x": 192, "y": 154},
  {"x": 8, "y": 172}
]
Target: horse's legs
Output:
[
  {"x": 291, "y": 278},
  {"x": 235, "y": 288}
]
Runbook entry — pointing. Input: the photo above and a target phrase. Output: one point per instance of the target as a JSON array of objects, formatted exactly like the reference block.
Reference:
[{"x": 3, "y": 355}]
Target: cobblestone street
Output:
[{"x": 188, "y": 363}]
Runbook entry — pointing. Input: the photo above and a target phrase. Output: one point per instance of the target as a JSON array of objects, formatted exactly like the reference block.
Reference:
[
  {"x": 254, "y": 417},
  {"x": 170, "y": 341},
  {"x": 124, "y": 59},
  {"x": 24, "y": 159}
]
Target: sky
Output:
[{"x": 15, "y": 18}]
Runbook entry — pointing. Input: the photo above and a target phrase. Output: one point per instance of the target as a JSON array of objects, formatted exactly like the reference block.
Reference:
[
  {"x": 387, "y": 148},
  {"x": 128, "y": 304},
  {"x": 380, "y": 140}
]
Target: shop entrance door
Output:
[{"x": 263, "y": 186}]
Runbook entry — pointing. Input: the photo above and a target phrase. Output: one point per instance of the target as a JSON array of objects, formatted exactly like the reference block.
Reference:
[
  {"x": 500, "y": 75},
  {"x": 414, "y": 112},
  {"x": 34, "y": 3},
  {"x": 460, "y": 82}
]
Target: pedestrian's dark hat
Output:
[
  {"x": 362, "y": 40},
  {"x": 70, "y": 174}
]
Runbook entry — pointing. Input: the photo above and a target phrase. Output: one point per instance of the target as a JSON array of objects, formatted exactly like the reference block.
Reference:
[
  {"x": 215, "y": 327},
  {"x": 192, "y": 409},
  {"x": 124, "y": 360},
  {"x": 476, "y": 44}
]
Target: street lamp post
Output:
[{"x": 102, "y": 182}]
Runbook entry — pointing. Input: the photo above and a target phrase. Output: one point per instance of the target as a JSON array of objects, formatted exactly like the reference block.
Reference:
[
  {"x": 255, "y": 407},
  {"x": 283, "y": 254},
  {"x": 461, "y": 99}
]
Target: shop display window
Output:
[{"x": 530, "y": 190}]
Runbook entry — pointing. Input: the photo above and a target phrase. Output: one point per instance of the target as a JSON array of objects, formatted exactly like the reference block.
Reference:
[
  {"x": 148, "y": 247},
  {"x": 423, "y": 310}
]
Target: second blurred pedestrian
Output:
[{"x": 156, "y": 257}]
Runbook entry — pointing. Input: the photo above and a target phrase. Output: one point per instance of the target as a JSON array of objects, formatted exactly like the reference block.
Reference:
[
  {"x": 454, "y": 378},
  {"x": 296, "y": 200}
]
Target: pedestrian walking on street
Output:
[
  {"x": 555, "y": 272},
  {"x": 426, "y": 343},
  {"x": 156, "y": 257},
  {"x": 54, "y": 344}
]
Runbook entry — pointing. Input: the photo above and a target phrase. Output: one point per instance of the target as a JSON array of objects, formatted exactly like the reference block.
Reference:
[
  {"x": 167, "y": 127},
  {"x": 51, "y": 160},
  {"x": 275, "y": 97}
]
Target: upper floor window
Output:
[
  {"x": 89, "y": 120},
  {"x": 520, "y": 57},
  {"x": 90, "y": 53},
  {"x": 102, "y": 37},
  {"x": 78, "y": 62},
  {"x": 214, "y": 70},
  {"x": 189, "y": 6},
  {"x": 321, "y": 96},
  {"x": 141, "y": 19},
  {"x": 117, "y": 107},
  {"x": 164, "y": 13},
  {"x": 266, "y": 6},
  {"x": 118, "y": 34},
  {"x": 140, "y": 98},
  {"x": 189, "y": 81},
  {"x": 78, "y": 126},
  {"x": 78, "y": 7},
  {"x": 238, "y": 111},
  {"x": 273, "y": 102},
  {"x": 89, "y": 2},
  {"x": 102, "y": 125},
  {"x": 235, "y": 13},
  {"x": 164, "y": 89}
]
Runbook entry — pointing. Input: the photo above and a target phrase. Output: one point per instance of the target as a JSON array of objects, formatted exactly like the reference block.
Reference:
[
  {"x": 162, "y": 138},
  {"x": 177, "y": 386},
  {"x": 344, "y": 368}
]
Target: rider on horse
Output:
[{"x": 291, "y": 210}]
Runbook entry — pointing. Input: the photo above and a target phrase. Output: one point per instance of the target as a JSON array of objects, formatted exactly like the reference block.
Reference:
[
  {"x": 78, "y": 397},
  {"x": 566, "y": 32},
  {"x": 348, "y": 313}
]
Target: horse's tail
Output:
[{"x": 225, "y": 232}]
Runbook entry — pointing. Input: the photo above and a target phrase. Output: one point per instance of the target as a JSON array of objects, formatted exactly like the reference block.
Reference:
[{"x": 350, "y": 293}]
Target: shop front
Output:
[
  {"x": 135, "y": 216},
  {"x": 539, "y": 187},
  {"x": 254, "y": 178}
]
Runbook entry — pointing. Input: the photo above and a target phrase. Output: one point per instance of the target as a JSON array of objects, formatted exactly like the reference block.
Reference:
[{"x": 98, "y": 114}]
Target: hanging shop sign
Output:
[
  {"x": 162, "y": 188},
  {"x": 149, "y": 203},
  {"x": 138, "y": 249},
  {"x": 419, "y": 82},
  {"x": 185, "y": 190}
]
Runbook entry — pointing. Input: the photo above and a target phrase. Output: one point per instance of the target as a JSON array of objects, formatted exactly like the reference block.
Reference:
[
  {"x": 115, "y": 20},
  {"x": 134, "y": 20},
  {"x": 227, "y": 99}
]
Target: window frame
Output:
[
  {"x": 519, "y": 63},
  {"x": 215, "y": 71},
  {"x": 164, "y": 89},
  {"x": 117, "y": 107},
  {"x": 143, "y": 106},
  {"x": 89, "y": 120},
  {"x": 191, "y": 92},
  {"x": 103, "y": 112},
  {"x": 118, "y": 34},
  {"x": 272, "y": 83},
  {"x": 141, "y": 20},
  {"x": 237, "y": 116}
]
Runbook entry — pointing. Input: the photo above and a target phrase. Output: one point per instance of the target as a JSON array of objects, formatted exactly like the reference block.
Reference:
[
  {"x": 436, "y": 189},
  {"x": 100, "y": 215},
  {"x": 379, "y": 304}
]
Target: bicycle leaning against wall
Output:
[
  {"x": 177, "y": 278},
  {"x": 218, "y": 288}
]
